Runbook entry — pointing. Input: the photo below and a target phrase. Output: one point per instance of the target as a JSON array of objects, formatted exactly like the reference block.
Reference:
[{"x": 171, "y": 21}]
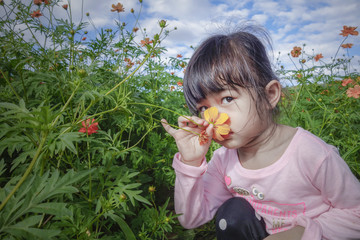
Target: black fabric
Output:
[{"x": 236, "y": 220}]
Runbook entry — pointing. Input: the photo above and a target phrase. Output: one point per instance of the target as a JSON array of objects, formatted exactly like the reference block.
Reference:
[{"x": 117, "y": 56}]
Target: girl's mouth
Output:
[{"x": 227, "y": 136}]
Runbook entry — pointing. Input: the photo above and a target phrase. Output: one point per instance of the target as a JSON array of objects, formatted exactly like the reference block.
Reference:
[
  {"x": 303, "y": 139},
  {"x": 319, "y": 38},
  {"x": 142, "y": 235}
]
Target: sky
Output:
[{"x": 316, "y": 23}]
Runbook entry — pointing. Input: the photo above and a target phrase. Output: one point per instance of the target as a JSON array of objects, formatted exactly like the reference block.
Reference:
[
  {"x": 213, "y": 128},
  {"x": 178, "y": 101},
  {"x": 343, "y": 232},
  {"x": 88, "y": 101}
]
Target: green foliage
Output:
[
  {"x": 320, "y": 102},
  {"x": 37, "y": 200}
]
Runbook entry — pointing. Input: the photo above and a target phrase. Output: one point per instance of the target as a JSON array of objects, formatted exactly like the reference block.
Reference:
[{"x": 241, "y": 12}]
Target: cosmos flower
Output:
[
  {"x": 117, "y": 8},
  {"x": 296, "y": 52},
  {"x": 179, "y": 83},
  {"x": 346, "y": 81},
  {"x": 36, "y": 14},
  {"x": 37, "y": 2},
  {"x": 219, "y": 121},
  {"x": 347, "y": 45},
  {"x": 353, "y": 92},
  {"x": 318, "y": 56},
  {"x": 145, "y": 42},
  {"x": 65, "y": 6},
  {"x": 89, "y": 126},
  {"x": 349, "y": 31}
]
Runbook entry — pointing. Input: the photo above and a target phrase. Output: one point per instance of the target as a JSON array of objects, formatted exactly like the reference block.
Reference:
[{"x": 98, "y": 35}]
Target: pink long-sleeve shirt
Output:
[{"x": 310, "y": 185}]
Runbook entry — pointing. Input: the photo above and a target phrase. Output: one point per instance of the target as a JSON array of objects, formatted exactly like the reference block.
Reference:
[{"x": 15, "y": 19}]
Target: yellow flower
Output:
[{"x": 219, "y": 121}]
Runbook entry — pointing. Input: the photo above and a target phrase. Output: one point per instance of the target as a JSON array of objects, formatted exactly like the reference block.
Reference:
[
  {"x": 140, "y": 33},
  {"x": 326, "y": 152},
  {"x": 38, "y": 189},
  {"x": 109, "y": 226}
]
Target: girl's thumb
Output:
[{"x": 167, "y": 127}]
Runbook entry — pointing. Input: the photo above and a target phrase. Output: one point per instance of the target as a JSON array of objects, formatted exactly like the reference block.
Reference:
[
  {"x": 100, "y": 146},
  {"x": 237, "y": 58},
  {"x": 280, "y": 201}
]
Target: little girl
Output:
[{"x": 267, "y": 181}]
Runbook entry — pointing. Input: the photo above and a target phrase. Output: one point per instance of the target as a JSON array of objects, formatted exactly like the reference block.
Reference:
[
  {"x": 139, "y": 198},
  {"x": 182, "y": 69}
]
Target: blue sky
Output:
[{"x": 316, "y": 23}]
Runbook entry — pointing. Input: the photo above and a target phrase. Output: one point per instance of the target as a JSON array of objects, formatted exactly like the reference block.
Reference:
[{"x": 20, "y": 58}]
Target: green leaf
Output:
[
  {"x": 124, "y": 227},
  {"x": 51, "y": 208},
  {"x": 2, "y": 167},
  {"x": 67, "y": 141},
  {"x": 27, "y": 222}
]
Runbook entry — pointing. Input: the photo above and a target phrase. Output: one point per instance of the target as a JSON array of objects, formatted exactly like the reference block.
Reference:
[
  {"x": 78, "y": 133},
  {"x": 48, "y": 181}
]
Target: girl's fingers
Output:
[
  {"x": 192, "y": 122},
  {"x": 209, "y": 130},
  {"x": 167, "y": 127}
]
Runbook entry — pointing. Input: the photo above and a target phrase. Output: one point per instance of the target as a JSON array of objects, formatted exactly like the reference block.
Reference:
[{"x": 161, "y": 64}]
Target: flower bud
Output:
[
  {"x": 152, "y": 189},
  {"x": 122, "y": 197},
  {"x": 156, "y": 37},
  {"x": 162, "y": 23}
]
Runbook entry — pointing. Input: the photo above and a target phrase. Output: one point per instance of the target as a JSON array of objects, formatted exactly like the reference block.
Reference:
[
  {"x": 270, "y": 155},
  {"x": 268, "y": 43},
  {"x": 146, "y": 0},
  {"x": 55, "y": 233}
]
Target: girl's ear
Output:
[{"x": 273, "y": 92}]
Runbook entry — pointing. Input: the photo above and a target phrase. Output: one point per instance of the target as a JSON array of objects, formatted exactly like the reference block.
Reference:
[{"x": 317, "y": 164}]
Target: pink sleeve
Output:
[
  {"x": 199, "y": 191},
  {"x": 341, "y": 190}
]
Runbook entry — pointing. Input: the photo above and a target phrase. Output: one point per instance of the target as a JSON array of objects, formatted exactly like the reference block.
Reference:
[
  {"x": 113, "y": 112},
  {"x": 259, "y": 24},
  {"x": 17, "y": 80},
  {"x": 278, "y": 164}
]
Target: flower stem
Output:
[
  {"x": 89, "y": 163},
  {"x": 166, "y": 109},
  {"x": 172, "y": 125},
  {"x": 27, "y": 172},
  {"x": 12, "y": 89}
]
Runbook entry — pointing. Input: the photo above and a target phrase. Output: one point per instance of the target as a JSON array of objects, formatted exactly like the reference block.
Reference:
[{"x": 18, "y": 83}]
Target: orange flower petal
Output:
[{"x": 203, "y": 138}]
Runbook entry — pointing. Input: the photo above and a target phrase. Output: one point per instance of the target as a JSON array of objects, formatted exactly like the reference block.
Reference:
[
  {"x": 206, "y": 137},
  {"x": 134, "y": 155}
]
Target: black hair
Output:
[{"x": 237, "y": 59}]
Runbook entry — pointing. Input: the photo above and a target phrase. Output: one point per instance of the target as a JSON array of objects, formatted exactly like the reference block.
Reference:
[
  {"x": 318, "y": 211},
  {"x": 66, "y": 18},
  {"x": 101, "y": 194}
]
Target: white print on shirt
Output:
[{"x": 241, "y": 191}]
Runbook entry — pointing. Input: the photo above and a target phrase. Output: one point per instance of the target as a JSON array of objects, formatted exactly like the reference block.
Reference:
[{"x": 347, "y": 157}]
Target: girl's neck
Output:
[{"x": 267, "y": 148}]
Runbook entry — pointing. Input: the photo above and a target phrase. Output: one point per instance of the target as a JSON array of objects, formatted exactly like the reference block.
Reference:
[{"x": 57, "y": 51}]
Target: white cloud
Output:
[
  {"x": 317, "y": 23},
  {"x": 260, "y": 18}
]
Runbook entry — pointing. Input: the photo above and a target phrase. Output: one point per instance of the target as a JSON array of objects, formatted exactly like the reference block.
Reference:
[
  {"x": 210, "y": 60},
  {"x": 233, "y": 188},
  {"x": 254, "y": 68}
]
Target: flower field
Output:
[{"x": 83, "y": 153}]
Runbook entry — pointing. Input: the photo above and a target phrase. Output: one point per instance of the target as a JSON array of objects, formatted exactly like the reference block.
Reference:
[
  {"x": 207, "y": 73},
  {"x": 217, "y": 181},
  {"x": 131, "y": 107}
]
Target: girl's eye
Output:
[
  {"x": 227, "y": 100},
  {"x": 202, "y": 109}
]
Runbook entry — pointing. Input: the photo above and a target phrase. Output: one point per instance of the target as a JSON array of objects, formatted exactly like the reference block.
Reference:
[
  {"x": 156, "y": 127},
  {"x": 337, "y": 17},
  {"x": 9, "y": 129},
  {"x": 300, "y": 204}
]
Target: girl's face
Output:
[{"x": 245, "y": 123}]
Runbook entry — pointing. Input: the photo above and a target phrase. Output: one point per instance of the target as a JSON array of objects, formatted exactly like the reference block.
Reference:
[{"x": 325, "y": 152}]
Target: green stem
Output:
[
  {"x": 27, "y": 172},
  {"x": 8, "y": 82},
  {"x": 172, "y": 125},
  {"x": 297, "y": 97},
  {"x": 128, "y": 148},
  {"x": 89, "y": 163},
  {"x": 66, "y": 104},
  {"x": 130, "y": 75},
  {"x": 23, "y": 84},
  {"x": 166, "y": 109}
]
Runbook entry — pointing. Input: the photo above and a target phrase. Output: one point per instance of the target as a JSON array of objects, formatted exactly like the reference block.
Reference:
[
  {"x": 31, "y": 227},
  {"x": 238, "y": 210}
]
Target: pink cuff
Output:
[
  {"x": 312, "y": 228},
  {"x": 188, "y": 170}
]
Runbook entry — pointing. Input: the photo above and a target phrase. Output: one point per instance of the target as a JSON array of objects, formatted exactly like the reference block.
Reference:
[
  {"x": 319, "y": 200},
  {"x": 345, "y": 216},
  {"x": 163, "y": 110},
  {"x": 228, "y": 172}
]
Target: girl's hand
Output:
[{"x": 192, "y": 153}]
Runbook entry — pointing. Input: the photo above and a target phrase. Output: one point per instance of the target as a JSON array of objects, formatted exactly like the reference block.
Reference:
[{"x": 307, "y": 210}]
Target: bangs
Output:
[{"x": 215, "y": 66}]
